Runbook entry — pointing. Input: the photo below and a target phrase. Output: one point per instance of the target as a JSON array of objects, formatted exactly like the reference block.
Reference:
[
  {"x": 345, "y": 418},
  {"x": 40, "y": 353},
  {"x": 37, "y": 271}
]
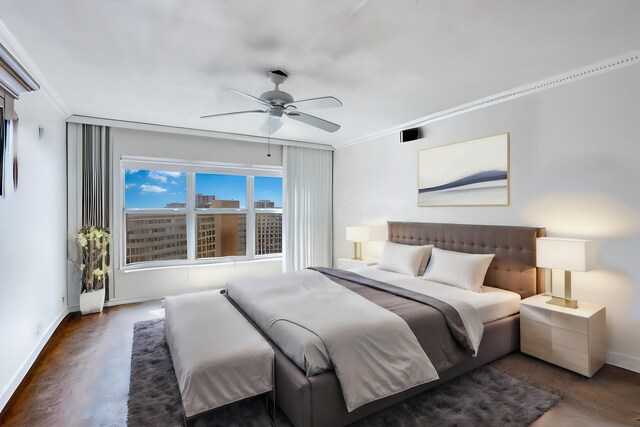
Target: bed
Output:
[{"x": 316, "y": 399}]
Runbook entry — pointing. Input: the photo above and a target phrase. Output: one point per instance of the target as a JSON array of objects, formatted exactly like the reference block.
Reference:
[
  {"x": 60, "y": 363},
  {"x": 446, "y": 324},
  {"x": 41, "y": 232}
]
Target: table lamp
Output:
[
  {"x": 357, "y": 235},
  {"x": 568, "y": 255}
]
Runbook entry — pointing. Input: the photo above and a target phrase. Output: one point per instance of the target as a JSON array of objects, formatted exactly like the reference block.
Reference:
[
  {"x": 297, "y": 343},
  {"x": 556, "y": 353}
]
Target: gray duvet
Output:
[
  {"x": 378, "y": 343},
  {"x": 373, "y": 351}
]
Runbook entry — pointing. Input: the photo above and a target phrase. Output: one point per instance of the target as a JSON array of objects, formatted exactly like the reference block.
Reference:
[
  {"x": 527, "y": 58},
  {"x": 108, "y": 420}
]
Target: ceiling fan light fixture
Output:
[{"x": 276, "y": 111}]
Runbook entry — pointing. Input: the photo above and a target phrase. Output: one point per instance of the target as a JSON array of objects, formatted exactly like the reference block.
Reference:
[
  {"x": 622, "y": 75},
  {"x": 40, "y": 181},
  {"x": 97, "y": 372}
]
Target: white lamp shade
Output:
[
  {"x": 566, "y": 254},
  {"x": 360, "y": 233}
]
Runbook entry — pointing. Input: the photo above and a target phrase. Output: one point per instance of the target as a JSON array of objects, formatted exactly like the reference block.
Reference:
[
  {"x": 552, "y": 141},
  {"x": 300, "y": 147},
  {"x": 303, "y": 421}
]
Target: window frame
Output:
[
  {"x": 191, "y": 168},
  {"x": 264, "y": 211}
]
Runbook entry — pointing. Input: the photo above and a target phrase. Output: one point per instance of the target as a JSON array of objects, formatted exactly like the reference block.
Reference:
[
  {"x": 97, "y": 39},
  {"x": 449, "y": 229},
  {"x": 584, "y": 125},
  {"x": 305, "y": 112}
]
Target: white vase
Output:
[{"x": 92, "y": 302}]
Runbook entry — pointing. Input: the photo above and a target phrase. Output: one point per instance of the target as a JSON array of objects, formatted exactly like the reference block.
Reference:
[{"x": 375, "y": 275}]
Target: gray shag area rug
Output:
[{"x": 484, "y": 397}]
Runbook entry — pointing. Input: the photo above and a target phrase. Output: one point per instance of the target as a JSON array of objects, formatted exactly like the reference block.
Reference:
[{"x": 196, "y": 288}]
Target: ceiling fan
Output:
[{"x": 277, "y": 103}]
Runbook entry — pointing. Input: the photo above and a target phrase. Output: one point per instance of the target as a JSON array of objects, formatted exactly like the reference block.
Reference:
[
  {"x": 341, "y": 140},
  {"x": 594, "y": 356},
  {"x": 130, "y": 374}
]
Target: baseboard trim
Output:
[
  {"x": 121, "y": 301},
  {"x": 118, "y": 301},
  {"x": 6, "y": 394},
  {"x": 623, "y": 361}
]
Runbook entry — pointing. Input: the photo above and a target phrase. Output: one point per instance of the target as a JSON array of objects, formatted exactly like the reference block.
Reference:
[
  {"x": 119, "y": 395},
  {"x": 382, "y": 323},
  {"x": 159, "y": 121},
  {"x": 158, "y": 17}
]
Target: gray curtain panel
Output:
[{"x": 96, "y": 177}]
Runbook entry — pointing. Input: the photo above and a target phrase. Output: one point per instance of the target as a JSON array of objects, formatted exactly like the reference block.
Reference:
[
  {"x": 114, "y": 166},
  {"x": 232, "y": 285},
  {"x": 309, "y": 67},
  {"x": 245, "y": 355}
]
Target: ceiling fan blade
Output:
[
  {"x": 235, "y": 112},
  {"x": 322, "y": 102},
  {"x": 313, "y": 121},
  {"x": 261, "y": 101},
  {"x": 271, "y": 125}
]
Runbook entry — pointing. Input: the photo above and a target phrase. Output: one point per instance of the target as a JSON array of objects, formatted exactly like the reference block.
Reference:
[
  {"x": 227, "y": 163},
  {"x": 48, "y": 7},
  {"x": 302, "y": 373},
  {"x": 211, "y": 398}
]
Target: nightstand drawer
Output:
[
  {"x": 572, "y": 323},
  {"x": 555, "y": 345},
  {"x": 571, "y": 359},
  {"x": 535, "y": 339},
  {"x": 560, "y": 320},
  {"x": 539, "y": 333},
  {"x": 535, "y": 313},
  {"x": 571, "y": 340}
]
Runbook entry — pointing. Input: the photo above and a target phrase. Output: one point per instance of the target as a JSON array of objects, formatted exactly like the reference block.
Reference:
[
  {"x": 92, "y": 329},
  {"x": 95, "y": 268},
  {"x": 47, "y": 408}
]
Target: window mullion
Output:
[
  {"x": 191, "y": 216},
  {"x": 251, "y": 219}
]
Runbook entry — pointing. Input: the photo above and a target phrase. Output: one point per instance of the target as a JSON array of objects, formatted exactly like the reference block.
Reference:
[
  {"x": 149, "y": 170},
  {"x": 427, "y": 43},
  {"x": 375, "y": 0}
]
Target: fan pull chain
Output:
[{"x": 269, "y": 136}]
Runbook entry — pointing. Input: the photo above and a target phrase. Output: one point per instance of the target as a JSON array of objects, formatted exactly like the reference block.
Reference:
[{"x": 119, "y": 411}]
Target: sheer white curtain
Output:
[{"x": 307, "y": 208}]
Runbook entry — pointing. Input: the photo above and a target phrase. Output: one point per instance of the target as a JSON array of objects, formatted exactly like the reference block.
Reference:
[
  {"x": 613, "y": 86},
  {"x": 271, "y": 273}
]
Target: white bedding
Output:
[
  {"x": 491, "y": 304},
  {"x": 218, "y": 356}
]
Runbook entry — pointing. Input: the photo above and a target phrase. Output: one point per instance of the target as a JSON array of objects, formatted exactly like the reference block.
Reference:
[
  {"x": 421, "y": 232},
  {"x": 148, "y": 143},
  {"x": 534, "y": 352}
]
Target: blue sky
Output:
[
  {"x": 267, "y": 188},
  {"x": 155, "y": 189},
  {"x": 224, "y": 187}
]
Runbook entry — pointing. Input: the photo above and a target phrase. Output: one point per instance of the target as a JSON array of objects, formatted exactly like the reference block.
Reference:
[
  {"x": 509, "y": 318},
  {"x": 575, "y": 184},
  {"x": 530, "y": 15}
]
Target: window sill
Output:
[{"x": 134, "y": 269}]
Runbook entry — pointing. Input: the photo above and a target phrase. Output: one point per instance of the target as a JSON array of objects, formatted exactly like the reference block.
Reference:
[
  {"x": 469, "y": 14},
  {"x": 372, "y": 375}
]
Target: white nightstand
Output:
[
  {"x": 349, "y": 263},
  {"x": 572, "y": 338}
]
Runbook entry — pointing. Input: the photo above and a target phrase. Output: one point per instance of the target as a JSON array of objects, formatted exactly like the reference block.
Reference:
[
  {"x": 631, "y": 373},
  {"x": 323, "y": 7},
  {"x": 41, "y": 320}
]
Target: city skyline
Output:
[{"x": 157, "y": 189}]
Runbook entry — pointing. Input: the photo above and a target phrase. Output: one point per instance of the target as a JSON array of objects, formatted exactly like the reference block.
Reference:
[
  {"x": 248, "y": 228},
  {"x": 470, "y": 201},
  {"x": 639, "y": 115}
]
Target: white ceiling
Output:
[{"x": 170, "y": 61}]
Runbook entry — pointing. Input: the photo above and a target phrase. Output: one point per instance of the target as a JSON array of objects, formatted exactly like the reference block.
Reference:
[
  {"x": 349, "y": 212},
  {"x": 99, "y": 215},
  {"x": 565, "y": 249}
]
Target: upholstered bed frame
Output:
[
  {"x": 513, "y": 267},
  {"x": 317, "y": 401}
]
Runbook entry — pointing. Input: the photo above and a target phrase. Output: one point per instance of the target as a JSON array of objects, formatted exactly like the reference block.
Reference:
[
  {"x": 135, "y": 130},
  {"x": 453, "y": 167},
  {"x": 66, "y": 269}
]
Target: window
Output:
[
  {"x": 196, "y": 214},
  {"x": 153, "y": 231},
  {"x": 221, "y": 215},
  {"x": 268, "y": 208}
]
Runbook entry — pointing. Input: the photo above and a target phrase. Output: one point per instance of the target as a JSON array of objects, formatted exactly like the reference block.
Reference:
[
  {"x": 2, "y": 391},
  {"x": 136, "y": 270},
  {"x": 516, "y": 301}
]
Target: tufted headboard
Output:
[{"x": 514, "y": 266}]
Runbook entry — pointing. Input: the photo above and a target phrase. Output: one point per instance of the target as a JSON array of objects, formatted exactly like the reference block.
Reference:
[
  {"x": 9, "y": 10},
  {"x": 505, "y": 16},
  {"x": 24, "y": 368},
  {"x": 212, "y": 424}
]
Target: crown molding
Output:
[
  {"x": 629, "y": 58},
  {"x": 14, "y": 77},
  {"x": 17, "y": 51}
]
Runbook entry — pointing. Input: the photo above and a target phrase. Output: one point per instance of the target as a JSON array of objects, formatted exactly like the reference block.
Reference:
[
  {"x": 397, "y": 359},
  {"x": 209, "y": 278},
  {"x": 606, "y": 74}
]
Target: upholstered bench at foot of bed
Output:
[{"x": 218, "y": 357}]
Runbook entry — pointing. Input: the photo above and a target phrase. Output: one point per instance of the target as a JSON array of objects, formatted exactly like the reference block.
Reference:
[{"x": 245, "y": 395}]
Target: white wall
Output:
[
  {"x": 575, "y": 153},
  {"x": 33, "y": 224},
  {"x": 160, "y": 282}
]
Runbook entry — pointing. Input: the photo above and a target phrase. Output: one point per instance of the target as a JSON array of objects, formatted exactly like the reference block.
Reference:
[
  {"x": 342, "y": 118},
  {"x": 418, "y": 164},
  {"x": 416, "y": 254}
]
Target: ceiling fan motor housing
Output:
[{"x": 277, "y": 97}]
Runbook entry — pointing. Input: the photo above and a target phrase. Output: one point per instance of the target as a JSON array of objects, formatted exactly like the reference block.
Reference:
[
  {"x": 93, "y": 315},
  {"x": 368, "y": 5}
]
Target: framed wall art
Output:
[{"x": 468, "y": 173}]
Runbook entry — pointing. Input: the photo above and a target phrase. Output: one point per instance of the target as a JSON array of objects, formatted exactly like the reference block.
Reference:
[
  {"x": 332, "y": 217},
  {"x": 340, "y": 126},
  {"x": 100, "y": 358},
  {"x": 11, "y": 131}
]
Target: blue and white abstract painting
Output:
[{"x": 467, "y": 173}]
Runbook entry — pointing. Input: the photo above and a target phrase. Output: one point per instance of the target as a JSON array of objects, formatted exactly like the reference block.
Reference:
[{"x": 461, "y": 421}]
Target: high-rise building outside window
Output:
[{"x": 180, "y": 217}]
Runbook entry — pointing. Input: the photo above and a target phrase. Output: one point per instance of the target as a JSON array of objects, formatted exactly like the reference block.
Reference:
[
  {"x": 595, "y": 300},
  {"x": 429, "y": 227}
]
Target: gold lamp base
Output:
[
  {"x": 357, "y": 251},
  {"x": 565, "y": 301},
  {"x": 562, "y": 302}
]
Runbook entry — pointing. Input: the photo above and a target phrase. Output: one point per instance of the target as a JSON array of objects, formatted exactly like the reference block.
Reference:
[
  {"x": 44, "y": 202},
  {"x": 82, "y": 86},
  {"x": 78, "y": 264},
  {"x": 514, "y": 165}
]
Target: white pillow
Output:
[
  {"x": 404, "y": 259},
  {"x": 458, "y": 269}
]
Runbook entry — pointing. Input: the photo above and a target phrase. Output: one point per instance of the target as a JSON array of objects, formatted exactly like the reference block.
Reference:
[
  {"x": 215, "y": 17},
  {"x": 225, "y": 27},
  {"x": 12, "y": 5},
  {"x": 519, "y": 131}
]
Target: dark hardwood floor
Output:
[{"x": 82, "y": 379}]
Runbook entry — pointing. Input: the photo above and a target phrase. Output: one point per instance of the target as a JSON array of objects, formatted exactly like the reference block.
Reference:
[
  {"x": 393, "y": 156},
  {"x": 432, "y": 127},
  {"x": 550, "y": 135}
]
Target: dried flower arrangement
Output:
[{"x": 94, "y": 247}]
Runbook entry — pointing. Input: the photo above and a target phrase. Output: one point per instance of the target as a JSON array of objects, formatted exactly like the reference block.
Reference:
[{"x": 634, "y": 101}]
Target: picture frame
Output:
[{"x": 475, "y": 172}]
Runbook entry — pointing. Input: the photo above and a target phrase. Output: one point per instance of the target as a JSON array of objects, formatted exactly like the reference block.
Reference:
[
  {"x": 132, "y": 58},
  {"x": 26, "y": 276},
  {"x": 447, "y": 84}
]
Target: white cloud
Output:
[
  {"x": 162, "y": 175},
  {"x": 152, "y": 189},
  {"x": 157, "y": 176},
  {"x": 130, "y": 185},
  {"x": 132, "y": 171}
]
